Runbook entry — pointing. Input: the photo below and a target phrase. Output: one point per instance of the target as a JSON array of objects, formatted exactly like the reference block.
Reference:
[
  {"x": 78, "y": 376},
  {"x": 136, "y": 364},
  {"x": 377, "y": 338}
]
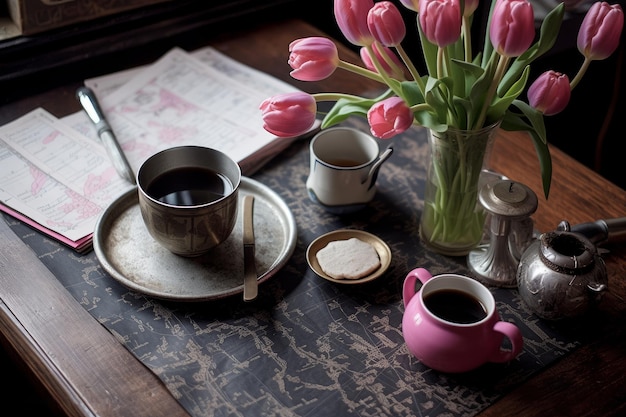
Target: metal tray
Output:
[{"x": 131, "y": 256}]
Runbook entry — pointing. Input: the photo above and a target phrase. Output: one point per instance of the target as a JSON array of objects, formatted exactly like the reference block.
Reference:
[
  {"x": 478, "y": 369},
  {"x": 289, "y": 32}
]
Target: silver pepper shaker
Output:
[{"x": 508, "y": 205}]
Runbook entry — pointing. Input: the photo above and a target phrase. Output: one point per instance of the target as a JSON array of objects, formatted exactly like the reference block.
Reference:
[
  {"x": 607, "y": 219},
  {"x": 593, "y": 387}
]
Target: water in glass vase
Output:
[{"x": 452, "y": 219}]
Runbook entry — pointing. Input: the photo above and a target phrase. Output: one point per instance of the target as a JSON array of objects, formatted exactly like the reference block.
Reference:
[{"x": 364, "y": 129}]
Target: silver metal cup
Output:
[{"x": 189, "y": 230}]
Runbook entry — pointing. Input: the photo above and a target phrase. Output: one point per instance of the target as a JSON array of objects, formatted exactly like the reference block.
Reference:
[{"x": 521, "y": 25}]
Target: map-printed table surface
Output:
[{"x": 308, "y": 346}]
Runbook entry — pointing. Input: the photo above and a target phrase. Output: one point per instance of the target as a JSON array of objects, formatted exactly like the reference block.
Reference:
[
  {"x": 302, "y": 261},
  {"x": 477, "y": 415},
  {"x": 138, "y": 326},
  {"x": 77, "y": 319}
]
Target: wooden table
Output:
[{"x": 88, "y": 372}]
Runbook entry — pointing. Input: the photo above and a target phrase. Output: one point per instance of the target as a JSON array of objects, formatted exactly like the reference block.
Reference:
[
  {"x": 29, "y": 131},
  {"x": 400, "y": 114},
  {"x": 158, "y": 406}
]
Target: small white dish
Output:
[{"x": 384, "y": 253}]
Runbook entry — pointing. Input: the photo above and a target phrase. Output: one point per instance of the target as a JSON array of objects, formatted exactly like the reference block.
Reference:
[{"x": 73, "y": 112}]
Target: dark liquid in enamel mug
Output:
[
  {"x": 455, "y": 306},
  {"x": 189, "y": 186}
]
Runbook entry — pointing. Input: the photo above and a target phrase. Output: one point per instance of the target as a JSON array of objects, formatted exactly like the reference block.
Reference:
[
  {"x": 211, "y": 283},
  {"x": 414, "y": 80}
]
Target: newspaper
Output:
[{"x": 55, "y": 174}]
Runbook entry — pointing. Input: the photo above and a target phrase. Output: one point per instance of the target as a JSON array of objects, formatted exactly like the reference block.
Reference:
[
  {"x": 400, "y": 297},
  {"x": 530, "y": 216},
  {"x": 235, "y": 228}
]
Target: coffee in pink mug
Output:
[{"x": 451, "y": 323}]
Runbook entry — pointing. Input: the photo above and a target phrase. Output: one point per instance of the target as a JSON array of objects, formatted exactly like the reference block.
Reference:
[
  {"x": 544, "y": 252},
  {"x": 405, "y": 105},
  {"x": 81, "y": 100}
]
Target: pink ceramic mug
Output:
[{"x": 451, "y": 323}]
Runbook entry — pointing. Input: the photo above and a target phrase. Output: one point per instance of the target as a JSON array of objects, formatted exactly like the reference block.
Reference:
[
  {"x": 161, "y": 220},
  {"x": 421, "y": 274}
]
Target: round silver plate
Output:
[{"x": 131, "y": 256}]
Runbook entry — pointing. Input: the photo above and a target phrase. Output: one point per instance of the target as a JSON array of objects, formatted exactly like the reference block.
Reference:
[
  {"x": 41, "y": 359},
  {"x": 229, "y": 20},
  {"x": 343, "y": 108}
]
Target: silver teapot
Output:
[{"x": 561, "y": 275}]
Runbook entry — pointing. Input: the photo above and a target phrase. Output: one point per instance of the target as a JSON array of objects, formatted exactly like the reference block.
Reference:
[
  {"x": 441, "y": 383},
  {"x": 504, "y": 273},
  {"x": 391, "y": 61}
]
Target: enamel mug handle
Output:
[
  {"x": 512, "y": 332},
  {"x": 408, "y": 289},
  {"x": 373, "y": 174}
]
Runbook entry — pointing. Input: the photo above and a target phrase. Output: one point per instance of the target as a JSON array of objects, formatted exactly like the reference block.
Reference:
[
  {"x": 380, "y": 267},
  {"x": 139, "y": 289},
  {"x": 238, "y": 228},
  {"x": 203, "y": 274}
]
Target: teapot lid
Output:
[{"x": 567, "y": 251}]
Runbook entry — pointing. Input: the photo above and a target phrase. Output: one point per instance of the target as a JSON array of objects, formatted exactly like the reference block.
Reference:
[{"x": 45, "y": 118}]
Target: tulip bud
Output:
[
  {"x": 512, "y": 29},
  {"x": 380, "y": 52},
  {"x": 550, "y": 93},
  {"x": 600, "y": 31},
  {"x": 389, "y": 117},
  {"x": 351, "y": 16},
  {"x": 440, "y": 21},
  {"x": 386, "y": 24},
  {"x": 313, "y": 59},
  {"x": 290, "y": 114}
]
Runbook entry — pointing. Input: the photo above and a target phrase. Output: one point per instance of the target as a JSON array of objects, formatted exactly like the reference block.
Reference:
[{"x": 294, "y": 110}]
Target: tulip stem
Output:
[
  {"x": 396, "y": 70},
  {"x": 467, "y": 39},
  {"x": 420, "y": 107},
  {"x": 382, "y": 72},
  {"x": 409, "y": 64},
  {"x": 440, "y": 66},
  {"x": 361, "y": 71},
  {"x": 334, "y": 96},
  {"x": 580, "y": 74},
  {"x": 503, "y": 63}
]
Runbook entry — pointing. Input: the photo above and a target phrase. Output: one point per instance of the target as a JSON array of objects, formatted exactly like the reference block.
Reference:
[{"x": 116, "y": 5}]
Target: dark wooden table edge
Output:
[{"x": 51, "y": 357}]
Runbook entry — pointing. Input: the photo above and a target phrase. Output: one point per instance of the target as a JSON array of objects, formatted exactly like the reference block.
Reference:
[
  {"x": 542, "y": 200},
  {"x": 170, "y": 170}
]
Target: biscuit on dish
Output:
[{"x": 348, "y": 259}]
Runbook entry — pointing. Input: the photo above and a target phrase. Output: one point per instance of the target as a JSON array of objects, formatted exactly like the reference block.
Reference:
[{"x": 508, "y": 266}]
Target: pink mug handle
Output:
[
  {"x": 408, "y": 289},
  {"x": 514, "y": 335}
]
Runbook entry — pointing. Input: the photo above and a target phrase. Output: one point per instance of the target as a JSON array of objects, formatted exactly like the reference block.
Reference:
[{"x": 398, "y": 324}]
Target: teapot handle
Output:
[
  {"x": 512, "y": 332},
  {"x": 408, "y": 289}
]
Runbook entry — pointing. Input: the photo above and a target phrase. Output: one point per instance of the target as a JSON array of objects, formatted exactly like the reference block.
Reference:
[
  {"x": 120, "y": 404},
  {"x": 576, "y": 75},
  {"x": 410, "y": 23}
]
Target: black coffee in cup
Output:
[
  {"x": 455, "y": 306},
  {"x": 189, "y": 186},
  {"x": 188, "y": 197}
]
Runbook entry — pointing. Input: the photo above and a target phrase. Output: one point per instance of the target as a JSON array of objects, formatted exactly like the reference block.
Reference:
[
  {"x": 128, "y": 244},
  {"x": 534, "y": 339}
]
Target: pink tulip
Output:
[
  {"x": 411, "y": 4},
  {"x": 313, "y": 59},
  {"x": 440, "y": 21},
  {"x": 512, "y": 29},
  {"x": 600, "y": 31},
  {"x": 386, "y": 24},
  {"x": 389, "y": 117},
  {"x": 379, "y": 50},
  {"x": 550, "y": 93},
  {"x": 290, "y": 114},
  {"x": 351, "y": 16}
]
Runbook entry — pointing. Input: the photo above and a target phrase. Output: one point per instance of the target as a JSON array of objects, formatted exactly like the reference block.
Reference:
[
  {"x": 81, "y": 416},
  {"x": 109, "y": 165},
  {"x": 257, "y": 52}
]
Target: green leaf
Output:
[
  {"x": 535, "y": 117},
  {"x": 470, "y": 73},
  {"x": 464, "y": 110},
  {"x": 470, "y": 70},
  {"x": 545, "y": 162},
  {"x": 437, "y": 98},
  {"x": 456, "y": 52},
  {"x": 430, "y": 121},
  {"x": 435, "y": 118},
  {"x": 345, "y": 108},
  {"x": 487, "y": 45},
  {"x": 514, "y": 122},
  {"x": 429, "y": 50},
  {"x": 477, "y": 92},
  {"x": 500, "y": 106},
  {"x": 396, "y": 85},
  {"x": 411, "y": 92}
]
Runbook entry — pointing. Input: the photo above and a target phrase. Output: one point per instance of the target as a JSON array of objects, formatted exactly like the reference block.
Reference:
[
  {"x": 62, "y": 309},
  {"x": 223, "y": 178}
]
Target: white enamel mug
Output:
[{"x": 344, "y": 165}]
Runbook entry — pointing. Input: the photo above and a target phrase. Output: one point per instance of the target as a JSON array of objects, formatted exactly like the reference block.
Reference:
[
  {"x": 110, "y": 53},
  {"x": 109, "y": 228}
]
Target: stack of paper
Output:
[{"x": 56, "y": 176}]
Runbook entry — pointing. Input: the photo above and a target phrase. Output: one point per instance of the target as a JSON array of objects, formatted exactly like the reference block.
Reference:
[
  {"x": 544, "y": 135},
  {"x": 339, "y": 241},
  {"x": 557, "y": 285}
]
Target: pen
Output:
[{"x": 88, "y": 100}]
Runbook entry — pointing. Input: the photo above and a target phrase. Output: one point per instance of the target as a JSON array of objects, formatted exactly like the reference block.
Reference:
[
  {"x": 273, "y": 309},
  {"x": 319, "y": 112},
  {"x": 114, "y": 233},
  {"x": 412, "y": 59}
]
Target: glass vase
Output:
[{"x": 452, "y": 219}]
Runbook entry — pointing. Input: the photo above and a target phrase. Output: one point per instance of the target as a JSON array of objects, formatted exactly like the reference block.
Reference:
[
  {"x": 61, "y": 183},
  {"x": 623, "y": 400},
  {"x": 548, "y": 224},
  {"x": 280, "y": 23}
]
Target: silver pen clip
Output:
[{"x": 88, "y": 100}]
